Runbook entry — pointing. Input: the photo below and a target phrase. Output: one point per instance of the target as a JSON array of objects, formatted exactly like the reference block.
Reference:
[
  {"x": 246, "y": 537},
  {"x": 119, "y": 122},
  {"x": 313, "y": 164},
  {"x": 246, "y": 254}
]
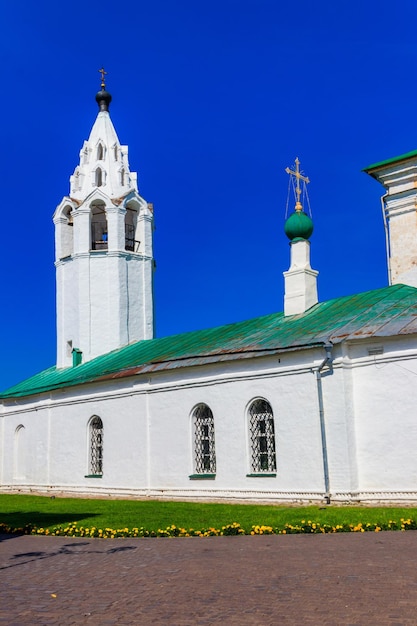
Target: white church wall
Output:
[
  {"x": 140, "y": 297},
  {"x": 105, "y": 319},
  {"x": 337, "y": 416},
  {"x": 299, "y": 454},
  {"x": 147, "y": 412},
  {"x": 67, "y": 460},
  {"x": 148, "y": 437},
  {"x": 25, "y": 448},
  {"x": 104, "y": 286},
  {"x": 94, "y": 294},
  {"x": 296, "y": 427},
  {"x": 68, "y": 308},
  {"x": 82, "y": 288},
  {"x": 352, "y": 479},
  {"x": 124, "y": 444},
  {"x": 386, "y": 422},
  {"x": 134, "y": 272}
]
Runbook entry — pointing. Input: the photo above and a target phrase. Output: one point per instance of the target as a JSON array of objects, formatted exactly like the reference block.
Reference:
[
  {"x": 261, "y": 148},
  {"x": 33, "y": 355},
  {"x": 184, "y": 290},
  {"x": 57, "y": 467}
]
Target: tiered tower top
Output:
[{"x": 103, "y": 160}]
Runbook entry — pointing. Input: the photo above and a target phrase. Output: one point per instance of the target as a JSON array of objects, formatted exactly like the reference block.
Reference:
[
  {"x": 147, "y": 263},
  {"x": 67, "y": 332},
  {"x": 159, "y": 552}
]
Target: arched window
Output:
[
  {"x": 20, "y": 453},
  {"x": 100, "y": 152},
  {"x": 262, "y": 437},
  {"x": 122, "y": 177},
  {"x": 96, "y": 447},
  {"x": 204, "y": 451},
  {"x": 116, "y": 153},
  {"x": 99, "y": 177}
]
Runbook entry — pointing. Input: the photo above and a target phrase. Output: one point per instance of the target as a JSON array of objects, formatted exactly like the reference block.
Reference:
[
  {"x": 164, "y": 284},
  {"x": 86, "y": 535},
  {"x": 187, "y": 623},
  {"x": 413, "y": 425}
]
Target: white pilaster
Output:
[
  {"x": 116, "y": 227},
  {"x": 82, "y": 231}
]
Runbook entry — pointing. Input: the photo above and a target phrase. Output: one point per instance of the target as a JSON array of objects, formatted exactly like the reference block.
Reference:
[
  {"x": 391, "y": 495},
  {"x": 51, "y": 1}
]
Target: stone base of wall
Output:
[{"x": 216, "y": 495}]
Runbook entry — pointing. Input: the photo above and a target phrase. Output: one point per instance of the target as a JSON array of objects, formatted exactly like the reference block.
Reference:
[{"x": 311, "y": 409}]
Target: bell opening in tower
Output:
[
  {"x": 99, "y": 236},
  {"x": 131, "y": 244}
]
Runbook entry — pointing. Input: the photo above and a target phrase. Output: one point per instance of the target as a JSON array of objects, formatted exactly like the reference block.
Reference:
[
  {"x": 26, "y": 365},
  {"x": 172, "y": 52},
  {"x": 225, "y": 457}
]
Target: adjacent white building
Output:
[{"x": 318, "y": 402}]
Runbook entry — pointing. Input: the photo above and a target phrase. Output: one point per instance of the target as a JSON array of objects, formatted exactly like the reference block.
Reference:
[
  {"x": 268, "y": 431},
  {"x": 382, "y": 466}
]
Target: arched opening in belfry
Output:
[
  {"x": 67, "y": 233},
  {"x": 131, "y": 220},
  {"x": 99, "y": 234}
]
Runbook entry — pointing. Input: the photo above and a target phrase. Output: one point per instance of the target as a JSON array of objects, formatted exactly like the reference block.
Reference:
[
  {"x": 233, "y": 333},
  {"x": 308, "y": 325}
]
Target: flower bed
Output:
[{"x": 306, "y": 527}]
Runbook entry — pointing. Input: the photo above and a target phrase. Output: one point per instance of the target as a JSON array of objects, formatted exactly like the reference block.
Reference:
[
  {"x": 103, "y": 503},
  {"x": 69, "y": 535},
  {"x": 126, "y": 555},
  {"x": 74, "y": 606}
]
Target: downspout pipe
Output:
[
  {"x": 387, "y": 240},
  {"x": 327, "y": 362}
]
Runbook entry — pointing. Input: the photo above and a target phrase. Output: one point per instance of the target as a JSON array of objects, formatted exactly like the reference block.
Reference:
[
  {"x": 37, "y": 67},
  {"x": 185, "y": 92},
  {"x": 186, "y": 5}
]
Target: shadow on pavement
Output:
[{"x": 21, "y": 558}]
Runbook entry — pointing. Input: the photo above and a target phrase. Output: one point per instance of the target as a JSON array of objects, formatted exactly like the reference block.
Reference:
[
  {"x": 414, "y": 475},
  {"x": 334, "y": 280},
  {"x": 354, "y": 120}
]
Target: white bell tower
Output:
[{"x": 103, "y": 251}]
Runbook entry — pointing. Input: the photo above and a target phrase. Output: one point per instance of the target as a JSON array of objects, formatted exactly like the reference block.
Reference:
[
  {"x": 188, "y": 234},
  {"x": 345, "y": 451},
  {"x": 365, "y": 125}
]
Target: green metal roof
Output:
[
  {"x": 379, "y": 313},
  {"x": 402, "y": 157}
]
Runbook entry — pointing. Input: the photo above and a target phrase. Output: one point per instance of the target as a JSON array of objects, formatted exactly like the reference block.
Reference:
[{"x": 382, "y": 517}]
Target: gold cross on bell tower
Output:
[
  {"x": 298, "y": 177},
  {"x": 103, "y": 80}
]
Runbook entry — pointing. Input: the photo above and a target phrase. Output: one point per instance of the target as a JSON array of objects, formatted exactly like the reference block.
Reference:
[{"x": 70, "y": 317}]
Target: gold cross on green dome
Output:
[{"x": 298, "y": 176}]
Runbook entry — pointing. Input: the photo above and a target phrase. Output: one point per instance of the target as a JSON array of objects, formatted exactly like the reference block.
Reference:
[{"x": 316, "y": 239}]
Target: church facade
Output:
[{"x": 315, "y": 403}]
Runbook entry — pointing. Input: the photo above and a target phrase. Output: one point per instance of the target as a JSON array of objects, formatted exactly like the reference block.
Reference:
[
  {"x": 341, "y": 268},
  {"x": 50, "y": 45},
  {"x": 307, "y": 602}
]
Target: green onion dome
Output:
[{"x": 299, "y": 226}]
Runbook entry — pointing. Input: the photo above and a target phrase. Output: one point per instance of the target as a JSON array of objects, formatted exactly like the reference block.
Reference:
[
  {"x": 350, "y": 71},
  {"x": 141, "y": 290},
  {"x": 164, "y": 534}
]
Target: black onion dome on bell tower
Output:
[{"x": 103, "y": 97}]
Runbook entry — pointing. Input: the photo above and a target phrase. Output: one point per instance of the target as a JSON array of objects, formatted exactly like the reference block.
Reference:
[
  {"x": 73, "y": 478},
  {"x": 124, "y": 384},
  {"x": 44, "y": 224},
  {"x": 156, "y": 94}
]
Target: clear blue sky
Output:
[{"x": 214, "y": 99}]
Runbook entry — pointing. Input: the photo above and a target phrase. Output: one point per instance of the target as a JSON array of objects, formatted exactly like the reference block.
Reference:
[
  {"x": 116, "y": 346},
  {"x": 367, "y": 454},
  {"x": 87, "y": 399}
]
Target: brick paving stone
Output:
[{"x": 344, "y": 579}]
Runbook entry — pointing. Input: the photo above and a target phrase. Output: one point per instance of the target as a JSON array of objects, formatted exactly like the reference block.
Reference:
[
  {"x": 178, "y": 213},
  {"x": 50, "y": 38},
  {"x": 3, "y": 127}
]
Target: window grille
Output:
[
  {"x": 262, "y": 437},
  {"x": 204, "y": 451},
  {"x": 96, "y": 446}
]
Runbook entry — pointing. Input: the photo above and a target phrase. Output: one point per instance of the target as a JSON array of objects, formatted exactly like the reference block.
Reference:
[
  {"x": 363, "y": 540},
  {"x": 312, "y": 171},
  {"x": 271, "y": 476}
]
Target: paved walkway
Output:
[{"x": 346, "y": 579}]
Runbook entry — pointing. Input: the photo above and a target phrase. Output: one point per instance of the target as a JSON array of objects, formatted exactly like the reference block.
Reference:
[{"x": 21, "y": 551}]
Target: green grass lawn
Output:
[{"x": 16, "y": 511}]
